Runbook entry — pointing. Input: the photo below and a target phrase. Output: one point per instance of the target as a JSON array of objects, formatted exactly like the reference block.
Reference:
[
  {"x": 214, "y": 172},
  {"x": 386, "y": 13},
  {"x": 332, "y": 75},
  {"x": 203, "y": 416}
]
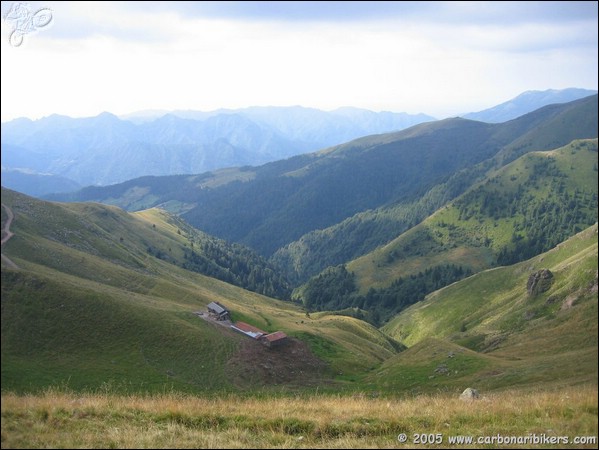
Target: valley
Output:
[
  {"x": 299, "y": 225},
  {"x": 397, "y": 288}
]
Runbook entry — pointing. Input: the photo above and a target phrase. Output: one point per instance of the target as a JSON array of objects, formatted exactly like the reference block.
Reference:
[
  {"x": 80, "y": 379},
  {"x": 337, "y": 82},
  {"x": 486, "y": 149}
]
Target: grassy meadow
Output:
[{"x": 57, "y": 419}]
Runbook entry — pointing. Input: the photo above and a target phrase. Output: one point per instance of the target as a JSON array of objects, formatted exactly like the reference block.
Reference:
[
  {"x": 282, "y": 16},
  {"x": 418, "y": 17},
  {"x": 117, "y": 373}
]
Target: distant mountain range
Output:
[
  {"x": 105, "y": 149},
  {"x": 526, "y": 102},
  {"x": 276, "y": 207},
  {"x": 59, "y": 153},
  {"x": 37, "y": 184}
]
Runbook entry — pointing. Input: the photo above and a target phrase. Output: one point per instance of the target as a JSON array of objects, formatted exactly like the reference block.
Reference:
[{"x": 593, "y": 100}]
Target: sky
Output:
[{"x": 440, "y": 58}]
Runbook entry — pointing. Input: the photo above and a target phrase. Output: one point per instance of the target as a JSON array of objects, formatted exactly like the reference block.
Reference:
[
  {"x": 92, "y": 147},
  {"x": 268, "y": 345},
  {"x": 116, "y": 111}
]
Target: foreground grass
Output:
[{"x": 71, "y": 420}]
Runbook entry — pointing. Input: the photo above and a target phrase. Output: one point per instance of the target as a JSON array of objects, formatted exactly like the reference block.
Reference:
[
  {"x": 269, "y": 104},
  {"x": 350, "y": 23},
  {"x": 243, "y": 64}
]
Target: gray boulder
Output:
[
  {"x": 538, "y": 282},
  {"x": 469, "y": 394}
]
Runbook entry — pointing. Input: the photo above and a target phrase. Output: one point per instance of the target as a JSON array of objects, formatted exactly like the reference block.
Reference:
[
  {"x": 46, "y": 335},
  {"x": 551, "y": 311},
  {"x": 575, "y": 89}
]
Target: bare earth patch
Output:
[{"x": 292, "y": 364}]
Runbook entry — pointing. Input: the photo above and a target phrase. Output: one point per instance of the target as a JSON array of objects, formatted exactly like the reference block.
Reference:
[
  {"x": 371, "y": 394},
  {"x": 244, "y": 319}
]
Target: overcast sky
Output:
[{"x": 440, "y": 58}]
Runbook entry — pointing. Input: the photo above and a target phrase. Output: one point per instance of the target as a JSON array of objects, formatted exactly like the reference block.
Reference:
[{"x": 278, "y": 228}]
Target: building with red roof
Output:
[{"x": 274, "y": 339}]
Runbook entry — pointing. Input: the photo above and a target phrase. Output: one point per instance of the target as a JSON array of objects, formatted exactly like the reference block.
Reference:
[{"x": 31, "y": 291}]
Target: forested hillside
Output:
[
  {"x": 521, "y": 210},
  {"x": 545, "y": 129},
  {"x": 402, "y": 177}
]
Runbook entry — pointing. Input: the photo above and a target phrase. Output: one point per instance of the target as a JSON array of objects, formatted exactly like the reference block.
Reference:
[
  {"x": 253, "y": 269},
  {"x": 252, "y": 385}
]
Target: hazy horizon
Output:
[{"x": 163, "y": 111}]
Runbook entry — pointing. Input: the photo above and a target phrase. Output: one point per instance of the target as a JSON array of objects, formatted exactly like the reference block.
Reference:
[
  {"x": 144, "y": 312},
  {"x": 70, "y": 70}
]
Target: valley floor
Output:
[{"x": 70, "y": 420}]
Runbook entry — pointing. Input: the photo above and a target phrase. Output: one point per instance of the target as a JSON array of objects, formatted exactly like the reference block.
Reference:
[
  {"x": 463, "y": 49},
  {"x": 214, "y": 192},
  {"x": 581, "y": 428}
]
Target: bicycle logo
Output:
[{"x": 25, "y": 21}]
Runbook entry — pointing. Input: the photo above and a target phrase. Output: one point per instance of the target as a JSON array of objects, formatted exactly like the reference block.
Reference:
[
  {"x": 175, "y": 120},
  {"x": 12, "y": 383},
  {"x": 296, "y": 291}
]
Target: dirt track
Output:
[{"x": 6, "y": 235}]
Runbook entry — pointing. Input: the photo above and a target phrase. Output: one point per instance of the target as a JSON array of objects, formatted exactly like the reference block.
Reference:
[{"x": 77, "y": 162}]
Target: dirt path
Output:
[{"x": 6, "y": 235}]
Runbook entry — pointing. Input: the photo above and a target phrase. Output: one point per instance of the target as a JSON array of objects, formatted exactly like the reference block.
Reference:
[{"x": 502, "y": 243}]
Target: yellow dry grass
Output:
[{"x": 69, "y": 420}]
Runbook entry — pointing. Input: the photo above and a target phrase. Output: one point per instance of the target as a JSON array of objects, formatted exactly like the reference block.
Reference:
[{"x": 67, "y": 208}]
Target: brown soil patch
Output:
[
  {"x": 292, "y": 364},
  {"x": 569, "y": 301}
]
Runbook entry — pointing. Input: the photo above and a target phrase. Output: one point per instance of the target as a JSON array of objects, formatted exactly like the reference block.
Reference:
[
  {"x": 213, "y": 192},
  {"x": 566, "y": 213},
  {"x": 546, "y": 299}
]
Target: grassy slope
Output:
[
  {"x": 90, "y": 307},
  {"x": 498, "y": 335},
  {"x": 101, "y": 312},
  {"x": 475, "y": 241}
]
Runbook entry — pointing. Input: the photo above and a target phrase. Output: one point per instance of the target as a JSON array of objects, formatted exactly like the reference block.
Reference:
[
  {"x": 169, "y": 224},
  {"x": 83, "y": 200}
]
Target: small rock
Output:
[
  {"x": 442, "y": 368},
  {"x": 469, "y": 394}
]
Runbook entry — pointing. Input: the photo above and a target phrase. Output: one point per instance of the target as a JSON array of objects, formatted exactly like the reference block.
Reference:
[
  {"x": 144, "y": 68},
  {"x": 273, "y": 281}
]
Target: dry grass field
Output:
[{"x": 56, "y": 419}]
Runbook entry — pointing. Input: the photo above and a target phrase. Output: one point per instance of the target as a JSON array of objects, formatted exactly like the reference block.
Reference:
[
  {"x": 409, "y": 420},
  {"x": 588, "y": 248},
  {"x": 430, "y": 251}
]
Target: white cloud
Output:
[{"x": 121, "y": 59}]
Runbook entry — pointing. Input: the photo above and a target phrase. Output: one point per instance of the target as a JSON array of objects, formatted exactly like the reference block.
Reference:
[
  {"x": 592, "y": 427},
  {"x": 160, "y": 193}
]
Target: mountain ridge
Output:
[
  {"x": 314, "y": 191},
  {"x": 526, "y": 102},
  {"x": 520, "y": 210},
  {"x": 547, "y": 128},
  {"x": 186, "y": 142},
  {"x": 176, "y": 143}
]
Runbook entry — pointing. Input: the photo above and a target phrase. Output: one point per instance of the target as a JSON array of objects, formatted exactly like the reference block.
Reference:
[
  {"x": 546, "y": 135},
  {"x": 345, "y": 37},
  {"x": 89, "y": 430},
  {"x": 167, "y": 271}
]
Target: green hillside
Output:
[
  {"x": 98, "y": 229},
  {"x": 124, "y": 321},
  {"x": 490, "y": 331},
  {"x": 518, "y": 211},
  {"x": 89, "y": 307},
  {"x": 273, "y": 205},
  {"x": 548, "y": 128}
]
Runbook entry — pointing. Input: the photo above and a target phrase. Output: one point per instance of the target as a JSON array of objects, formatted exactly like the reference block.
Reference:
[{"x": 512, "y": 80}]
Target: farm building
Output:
[
  {"x": 248, "y": 330},
  {"x": 218, "y": 311},
  {"x": 274, "y": 339}
]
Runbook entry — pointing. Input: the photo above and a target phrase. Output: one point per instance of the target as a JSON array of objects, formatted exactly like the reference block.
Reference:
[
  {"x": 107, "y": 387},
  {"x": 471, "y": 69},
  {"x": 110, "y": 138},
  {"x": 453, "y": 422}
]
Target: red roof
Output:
[
  {"x": 246, "y": 327},
  {"x": 276, "y": 336}
]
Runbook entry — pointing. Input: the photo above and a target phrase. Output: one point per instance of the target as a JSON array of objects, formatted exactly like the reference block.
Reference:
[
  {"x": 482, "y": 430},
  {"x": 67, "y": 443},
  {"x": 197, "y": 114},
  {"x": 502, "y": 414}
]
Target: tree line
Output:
[{"x": 335, "y": 289}]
